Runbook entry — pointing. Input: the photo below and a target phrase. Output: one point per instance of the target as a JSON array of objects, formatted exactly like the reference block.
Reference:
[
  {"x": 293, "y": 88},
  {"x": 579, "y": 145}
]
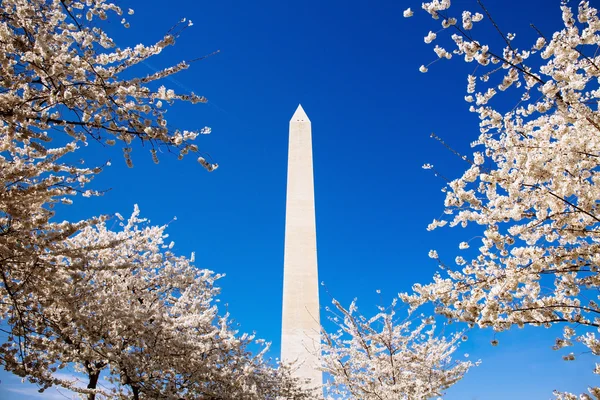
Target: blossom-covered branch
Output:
[
  {"x": 60, "y": 71},
  {"x": 381, "y": 358}
]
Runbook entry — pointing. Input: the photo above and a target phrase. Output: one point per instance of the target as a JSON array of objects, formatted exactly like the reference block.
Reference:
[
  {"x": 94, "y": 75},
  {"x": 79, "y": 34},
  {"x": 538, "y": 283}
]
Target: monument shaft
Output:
[{"x": 300, "y": 339}]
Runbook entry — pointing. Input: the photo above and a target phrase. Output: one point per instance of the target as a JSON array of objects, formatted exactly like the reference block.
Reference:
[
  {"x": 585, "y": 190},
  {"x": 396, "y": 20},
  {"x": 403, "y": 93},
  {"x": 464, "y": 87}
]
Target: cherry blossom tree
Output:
[
  {"x": 117, "y": 304},
  {"x": 147, "y": 320},
  {"x": 382, "y": 358},
  {"x": 531, "y": 184},
  {"x": 61, "y": 78}
]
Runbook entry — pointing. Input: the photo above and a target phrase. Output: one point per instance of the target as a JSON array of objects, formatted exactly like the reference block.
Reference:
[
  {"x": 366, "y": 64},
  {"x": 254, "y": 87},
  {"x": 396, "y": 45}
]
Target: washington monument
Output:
[{"x": 300, "y": 337}]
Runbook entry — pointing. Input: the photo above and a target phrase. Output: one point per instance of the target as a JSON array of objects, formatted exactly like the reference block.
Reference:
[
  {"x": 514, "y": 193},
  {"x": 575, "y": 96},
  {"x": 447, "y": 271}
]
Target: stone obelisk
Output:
[{"x": 300, "y": 338}]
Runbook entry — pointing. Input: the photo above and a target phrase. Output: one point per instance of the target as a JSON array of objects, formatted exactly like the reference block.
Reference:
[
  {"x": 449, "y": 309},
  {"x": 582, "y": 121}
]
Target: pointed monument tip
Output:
[{"x": 300, "y": 115}]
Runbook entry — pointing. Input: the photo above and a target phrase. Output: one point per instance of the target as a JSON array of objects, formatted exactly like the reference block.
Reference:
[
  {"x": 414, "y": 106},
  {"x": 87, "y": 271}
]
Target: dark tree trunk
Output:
[
  {"x": 136, "y": 392},
  {"x": 92, "y": 385},
  {"x": 93, "y": 375}
]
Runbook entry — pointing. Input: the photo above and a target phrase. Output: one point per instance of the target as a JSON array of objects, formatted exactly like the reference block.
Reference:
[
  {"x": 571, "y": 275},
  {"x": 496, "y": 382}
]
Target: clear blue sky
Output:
[{"x": 354, "y": 67}]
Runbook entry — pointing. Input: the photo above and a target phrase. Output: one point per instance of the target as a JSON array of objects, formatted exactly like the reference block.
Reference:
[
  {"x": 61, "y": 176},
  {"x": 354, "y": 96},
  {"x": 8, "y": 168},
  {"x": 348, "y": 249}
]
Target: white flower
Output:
[
  {"x": 423, "y": 68},
  {"x": 539, "y": 43},
  {"x": 430, "y": 37},
  {"x": 448, "y": 22},
  {"x": 477, "y": 17},
  {"x": 407, "y": 13},
  {"x": 441, "y": 52}
]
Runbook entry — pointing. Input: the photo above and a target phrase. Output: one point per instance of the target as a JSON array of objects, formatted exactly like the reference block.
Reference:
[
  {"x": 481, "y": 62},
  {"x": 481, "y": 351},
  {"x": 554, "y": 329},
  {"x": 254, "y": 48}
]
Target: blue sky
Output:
[{"x": 353, "y": 65}]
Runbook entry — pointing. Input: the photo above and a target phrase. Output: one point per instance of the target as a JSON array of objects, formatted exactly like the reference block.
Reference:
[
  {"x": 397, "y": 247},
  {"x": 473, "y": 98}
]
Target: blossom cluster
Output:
[{"x": 382, "y": 358}]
